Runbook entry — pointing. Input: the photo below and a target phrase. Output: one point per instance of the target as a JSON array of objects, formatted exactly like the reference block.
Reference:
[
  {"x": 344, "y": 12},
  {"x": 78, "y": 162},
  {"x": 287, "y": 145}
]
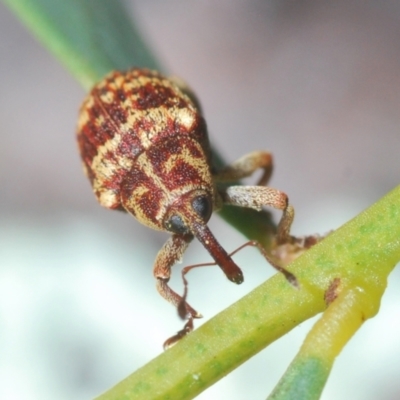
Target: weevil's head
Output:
[
  {"x": 188, "y": 212},
  {"x": 189, "y": 216}
]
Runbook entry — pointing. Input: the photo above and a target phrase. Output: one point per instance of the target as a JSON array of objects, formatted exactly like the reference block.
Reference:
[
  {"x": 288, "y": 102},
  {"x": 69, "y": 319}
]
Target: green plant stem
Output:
[
  {"x": 308, "y": 372},
  {"x": 361, "y": 253},
  {"x": 364, "y": 258}
]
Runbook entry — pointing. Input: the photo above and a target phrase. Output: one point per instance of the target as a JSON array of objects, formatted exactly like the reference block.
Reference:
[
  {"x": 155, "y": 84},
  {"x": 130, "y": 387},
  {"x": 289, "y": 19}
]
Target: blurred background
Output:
[{"x": 316, "y": 83}]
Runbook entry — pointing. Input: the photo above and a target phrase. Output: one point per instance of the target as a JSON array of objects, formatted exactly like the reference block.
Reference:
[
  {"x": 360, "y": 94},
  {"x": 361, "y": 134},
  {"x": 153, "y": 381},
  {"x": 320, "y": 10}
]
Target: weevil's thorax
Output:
[
  {"x": 144, "y": 145},
  {"x": 165, "y": 177}
]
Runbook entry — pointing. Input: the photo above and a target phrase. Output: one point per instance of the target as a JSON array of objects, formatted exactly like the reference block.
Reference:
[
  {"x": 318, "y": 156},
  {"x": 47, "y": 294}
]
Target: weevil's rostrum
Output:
[{"x": 145, "y": 149}]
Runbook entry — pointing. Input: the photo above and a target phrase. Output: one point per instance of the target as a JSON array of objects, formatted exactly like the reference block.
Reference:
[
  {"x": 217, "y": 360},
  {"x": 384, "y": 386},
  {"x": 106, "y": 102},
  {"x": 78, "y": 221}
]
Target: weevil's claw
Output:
[
  {"x": 291, "y": 279},
  {"x": 184, "y": 311},
  {"x": 290, "y": 250},
  {"x": 294, "y": 247},
  {"x": 174, "y": 339}
]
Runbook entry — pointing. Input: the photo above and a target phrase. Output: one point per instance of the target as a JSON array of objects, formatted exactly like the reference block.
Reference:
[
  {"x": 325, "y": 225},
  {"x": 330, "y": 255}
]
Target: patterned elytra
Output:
[{"x": 143, "y": 144}]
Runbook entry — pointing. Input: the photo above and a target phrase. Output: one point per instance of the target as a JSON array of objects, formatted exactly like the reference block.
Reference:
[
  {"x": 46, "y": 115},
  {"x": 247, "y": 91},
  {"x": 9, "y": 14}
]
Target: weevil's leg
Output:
[
  {"x": 258, "y": 196},
  {"x": 245, "y": 166},
  {"x": 283, "y": 230},
  {"x": 170, "y": 253}
]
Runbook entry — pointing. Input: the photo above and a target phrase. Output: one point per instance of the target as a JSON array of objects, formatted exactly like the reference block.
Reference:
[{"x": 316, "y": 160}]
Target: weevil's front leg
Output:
[
  {"x": 245, "y": 166},
  {"x": 171, "y": 253},
  {"x": 258, "y": 196}
]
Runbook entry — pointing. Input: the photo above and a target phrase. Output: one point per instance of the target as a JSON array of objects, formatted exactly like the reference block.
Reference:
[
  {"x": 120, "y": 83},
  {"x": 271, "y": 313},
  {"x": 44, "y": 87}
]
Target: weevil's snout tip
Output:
[{"x": 237, "y": 278}]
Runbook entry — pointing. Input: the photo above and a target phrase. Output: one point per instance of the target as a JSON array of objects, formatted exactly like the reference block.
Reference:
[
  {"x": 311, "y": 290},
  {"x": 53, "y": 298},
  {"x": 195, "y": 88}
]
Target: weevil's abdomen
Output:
[{"x": 143, "y": 143}]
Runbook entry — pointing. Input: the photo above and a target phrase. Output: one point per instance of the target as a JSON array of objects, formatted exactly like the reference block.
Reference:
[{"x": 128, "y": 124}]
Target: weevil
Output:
[{"x": 145, "y": 149}]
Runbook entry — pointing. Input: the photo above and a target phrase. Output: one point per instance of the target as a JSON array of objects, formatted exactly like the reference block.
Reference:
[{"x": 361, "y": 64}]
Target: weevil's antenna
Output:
[{"x": 291, "y": 278}]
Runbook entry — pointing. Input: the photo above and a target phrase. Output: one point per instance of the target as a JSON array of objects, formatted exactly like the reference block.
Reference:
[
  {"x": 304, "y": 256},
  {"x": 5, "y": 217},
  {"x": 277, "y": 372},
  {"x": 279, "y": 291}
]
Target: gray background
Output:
[{"x": 318, "y": 84}]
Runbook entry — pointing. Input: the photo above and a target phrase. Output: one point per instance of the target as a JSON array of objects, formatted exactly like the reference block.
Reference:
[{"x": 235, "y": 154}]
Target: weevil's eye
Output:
[
  {"x": 176, "y": 225},
  {"x": 202, "y": 206}
]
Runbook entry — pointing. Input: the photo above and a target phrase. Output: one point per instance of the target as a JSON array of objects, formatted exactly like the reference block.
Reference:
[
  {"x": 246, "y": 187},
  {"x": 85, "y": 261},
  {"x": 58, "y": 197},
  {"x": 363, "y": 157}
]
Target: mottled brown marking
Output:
[
  {"x": 332, "y": 292},
  {"x": 127, "y": 114}
]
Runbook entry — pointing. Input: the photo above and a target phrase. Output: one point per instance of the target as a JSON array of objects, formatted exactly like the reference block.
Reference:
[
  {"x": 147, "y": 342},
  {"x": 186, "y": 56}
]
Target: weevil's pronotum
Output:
[{"x": 145, "y": 149}]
